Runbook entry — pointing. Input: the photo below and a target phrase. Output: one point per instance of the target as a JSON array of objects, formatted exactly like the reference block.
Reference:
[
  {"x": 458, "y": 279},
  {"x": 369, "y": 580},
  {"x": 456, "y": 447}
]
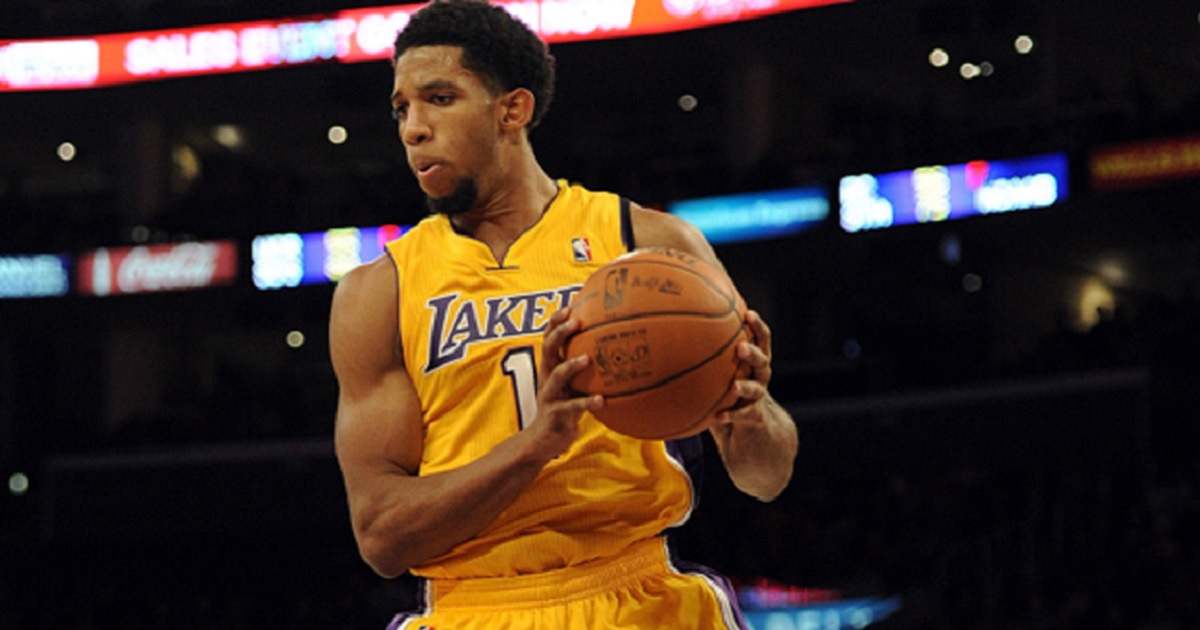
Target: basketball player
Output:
[{"x": 465, "y": 458}]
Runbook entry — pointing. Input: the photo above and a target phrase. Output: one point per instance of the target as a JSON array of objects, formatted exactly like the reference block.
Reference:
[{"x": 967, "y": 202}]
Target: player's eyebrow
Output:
[
  {"x": 438, "y": 84},
  {"x": 429, "y": 86}
]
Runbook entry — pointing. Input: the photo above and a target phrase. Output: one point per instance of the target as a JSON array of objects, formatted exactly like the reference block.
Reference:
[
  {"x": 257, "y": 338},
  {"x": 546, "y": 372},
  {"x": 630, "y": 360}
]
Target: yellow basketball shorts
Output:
[{"x": 640, "y": 589}]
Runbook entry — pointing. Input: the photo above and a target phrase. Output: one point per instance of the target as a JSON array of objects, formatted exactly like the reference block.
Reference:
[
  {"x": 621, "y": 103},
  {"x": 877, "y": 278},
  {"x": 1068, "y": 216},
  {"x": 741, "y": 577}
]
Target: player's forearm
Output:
[
  {"x": 760, "y": 455},
  {"x": 416, "y": 519}
]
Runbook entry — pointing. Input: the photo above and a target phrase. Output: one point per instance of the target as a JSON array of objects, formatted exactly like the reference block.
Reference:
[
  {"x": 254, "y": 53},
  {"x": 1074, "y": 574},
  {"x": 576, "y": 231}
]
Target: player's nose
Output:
[{"x": 414, "y": 129}]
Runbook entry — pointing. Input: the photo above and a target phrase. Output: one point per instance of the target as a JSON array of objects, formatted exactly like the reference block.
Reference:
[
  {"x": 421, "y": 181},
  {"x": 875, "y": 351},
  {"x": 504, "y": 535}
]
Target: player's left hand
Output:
[{"x": 752, "y": 392}]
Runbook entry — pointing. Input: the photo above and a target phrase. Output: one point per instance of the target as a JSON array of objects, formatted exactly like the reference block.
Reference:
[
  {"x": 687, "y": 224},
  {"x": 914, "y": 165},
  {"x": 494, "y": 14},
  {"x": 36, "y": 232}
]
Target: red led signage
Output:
[
  {"x": 155, "y": 268},
  {"x": 348, "y": 36}
]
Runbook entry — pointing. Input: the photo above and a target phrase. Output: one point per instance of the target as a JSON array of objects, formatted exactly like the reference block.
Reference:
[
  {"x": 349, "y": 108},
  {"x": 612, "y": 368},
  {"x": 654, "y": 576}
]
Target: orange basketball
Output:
[{"x": 662, "y": 329}]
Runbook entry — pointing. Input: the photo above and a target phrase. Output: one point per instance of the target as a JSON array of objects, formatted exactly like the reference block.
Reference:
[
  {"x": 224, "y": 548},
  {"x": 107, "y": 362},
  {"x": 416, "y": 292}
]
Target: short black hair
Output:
[{"x": 498, "y": 47}]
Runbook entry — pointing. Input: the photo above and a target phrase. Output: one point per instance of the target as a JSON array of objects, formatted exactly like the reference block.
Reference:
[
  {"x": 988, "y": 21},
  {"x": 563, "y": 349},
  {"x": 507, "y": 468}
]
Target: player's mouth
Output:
[
  {"x": 433, "y": 176},
  {"x": 425, "y": 167}
]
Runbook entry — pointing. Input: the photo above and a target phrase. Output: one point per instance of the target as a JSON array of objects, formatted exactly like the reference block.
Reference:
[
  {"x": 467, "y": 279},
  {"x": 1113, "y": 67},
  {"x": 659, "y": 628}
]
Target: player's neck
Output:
[{"x": 510, "y": 206}]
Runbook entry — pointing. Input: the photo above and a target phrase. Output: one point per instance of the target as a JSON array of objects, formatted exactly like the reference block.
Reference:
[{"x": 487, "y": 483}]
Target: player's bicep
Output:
[{"x": 378, "y": 433}]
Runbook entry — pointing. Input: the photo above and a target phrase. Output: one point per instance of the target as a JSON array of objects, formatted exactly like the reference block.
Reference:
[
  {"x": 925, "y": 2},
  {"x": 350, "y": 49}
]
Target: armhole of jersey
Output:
[
  {"x": 627, "y": 225},
  {"x": 399, "y": 304}
]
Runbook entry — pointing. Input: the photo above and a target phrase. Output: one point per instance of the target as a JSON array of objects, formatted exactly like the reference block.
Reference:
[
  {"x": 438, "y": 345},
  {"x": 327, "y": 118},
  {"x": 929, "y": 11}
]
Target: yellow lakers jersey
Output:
[{"x": 471, "y": 328}]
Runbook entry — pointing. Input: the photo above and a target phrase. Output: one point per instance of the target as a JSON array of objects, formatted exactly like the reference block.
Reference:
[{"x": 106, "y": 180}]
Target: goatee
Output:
[{"x": 457, "y": 202}]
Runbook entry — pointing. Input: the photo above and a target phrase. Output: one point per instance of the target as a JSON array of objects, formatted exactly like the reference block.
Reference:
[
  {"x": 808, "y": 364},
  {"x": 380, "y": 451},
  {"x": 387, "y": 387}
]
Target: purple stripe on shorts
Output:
[
  {"x": 720, "y": 581},
  {"x": 399, "y": 620}
]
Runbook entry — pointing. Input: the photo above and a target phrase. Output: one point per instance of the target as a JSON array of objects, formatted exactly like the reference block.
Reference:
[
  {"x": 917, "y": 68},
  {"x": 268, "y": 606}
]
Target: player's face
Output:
[{"x": 448, "y": 124}]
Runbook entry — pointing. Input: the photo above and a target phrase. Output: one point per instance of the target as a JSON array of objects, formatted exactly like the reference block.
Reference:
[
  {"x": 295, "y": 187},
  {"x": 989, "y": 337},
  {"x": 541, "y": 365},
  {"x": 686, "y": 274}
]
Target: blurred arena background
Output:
[{"x": 998, "y": 413}]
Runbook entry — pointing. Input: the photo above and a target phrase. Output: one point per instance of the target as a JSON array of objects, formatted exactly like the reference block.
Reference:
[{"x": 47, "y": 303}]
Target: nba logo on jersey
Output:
[{"x": 581, "y": 249}]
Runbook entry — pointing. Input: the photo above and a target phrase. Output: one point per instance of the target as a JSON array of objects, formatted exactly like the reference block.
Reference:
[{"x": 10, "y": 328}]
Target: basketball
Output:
[{"x": 662, "y": 330}]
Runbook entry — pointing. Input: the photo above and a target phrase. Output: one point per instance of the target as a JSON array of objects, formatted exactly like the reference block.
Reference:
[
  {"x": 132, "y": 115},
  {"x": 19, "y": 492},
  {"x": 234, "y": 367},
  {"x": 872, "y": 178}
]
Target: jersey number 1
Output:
[{"x": 518, "y": 365}]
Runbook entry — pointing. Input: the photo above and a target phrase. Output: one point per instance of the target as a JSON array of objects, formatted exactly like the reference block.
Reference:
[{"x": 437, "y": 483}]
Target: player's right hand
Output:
[{"x": 556, "y": 425}]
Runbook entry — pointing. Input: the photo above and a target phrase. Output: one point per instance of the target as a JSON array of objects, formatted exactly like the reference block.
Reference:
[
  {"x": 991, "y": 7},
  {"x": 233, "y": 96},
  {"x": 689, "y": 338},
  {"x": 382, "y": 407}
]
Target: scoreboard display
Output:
[
  {"x": 941, "y": 193},
  {"x": 292, "y": 259},
  {"x": 38, "y": 275}
]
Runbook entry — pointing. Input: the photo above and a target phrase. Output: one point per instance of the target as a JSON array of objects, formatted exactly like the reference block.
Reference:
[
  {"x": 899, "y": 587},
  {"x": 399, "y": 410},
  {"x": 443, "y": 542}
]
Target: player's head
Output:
[
  {"x": 496, "y": 46},
  {"x": 469, "y": 77}
]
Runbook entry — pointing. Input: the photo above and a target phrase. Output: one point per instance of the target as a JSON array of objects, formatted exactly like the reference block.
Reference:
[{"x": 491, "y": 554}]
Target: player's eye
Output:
[
  {"x": 399, "y": 111},
  {"x": 442, "y": 99}
]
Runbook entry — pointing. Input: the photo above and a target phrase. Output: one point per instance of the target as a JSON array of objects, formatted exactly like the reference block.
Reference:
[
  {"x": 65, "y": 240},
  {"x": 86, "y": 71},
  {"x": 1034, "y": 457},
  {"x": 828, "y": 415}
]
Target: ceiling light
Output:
[
  {"x": 938, "y": 58},
  {"x": 1023, "y": 44},
  {"x": 229, "y": 136},
  {"x": 66, "y": 152}
]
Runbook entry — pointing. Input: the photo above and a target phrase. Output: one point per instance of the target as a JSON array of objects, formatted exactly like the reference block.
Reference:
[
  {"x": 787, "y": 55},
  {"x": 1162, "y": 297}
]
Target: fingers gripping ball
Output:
[{"x": 662, "y": 329}]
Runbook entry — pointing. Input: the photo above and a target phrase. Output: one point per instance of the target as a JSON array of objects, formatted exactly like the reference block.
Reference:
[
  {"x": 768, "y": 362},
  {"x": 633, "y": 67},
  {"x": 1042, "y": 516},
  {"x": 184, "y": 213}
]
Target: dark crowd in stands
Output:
[{"x": 1075, "y": 508}]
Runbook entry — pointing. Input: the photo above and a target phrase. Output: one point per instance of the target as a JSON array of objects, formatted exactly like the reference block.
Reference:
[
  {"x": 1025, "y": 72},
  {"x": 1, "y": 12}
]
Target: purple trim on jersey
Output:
[
  {"x": 689, "y": 453},
  {"x": 401, "y": 618},
  {"x": 715, "y": 578}
]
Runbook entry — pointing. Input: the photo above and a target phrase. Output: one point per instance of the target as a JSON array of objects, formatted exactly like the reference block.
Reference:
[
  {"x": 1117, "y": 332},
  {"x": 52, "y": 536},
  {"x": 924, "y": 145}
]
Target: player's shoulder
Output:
[
  {"x": 379, "y": 270},
  {"x": 369, "y": 281},
  {"x": 654, "y": 228},
  {"x": 363, "y": 313}
]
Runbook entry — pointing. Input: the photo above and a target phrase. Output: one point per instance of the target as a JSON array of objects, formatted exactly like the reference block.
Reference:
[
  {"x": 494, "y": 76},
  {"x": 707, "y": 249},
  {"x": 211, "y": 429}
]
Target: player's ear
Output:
[{"x": 516, "y": 109}]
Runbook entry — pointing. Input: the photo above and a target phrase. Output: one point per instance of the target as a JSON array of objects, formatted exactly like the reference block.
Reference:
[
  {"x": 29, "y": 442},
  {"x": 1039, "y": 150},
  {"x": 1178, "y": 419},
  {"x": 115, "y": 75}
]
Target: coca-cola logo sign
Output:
[{"x": 154, "y": 268}]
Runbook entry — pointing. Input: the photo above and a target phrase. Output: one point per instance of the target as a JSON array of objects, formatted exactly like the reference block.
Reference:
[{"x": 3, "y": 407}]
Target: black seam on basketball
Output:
[
  {"x": 616, "y": 320},
  {"x": 681, "y": 373},
  {"x": 706, "y": 413},
  {"x": 651, "y": 314}
]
